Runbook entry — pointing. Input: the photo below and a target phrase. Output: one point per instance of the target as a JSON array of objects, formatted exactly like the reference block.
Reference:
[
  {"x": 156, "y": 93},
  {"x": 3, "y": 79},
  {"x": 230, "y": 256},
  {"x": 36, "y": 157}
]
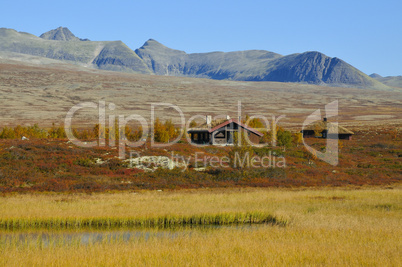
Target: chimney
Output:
[
  {"x": 325, "y": 119},
  {"x": 208, "y": 119},
  {"x": 227, "y": 117}
]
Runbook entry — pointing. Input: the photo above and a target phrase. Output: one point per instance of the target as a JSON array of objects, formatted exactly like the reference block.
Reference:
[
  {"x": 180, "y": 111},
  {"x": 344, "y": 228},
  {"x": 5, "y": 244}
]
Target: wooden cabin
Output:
[
  {"x": 221, "y": 132},
  {"x": 326, "y": 130}
]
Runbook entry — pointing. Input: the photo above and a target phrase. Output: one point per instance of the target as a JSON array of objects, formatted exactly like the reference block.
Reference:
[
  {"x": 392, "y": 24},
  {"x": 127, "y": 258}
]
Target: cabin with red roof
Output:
[{"x": 221, "y": 132}]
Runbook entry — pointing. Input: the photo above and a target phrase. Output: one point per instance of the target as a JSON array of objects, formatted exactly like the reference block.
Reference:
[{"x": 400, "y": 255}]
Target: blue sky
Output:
[{"x": 366, "y": 34}]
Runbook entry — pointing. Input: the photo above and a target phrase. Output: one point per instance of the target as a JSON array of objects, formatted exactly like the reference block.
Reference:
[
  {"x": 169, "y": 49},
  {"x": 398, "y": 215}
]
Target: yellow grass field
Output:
[{"x": 325, "y": 226}]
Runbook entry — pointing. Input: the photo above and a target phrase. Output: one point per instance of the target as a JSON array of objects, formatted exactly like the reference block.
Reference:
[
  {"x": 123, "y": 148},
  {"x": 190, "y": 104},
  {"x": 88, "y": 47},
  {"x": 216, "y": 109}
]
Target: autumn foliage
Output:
[{"x": 47, "y": 162}]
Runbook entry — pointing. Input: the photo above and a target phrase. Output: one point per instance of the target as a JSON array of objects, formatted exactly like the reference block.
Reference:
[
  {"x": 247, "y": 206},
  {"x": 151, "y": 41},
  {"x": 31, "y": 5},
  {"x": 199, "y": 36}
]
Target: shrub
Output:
[
  {"x": 284, "y": 138},
  {"x": 84, "y": 162}
]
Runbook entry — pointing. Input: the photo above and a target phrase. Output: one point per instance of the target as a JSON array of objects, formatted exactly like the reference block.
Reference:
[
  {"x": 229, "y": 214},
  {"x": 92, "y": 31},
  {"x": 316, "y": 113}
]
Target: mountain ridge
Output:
[
  {"x": 253, "y": 65},
  {"x": 393, "y": 81},
  {"x": 153, "y": 57}
]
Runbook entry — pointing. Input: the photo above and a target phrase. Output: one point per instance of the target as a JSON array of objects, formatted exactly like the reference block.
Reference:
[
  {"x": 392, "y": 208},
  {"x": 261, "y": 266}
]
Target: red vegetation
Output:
[{"x": 373, "y": 157}]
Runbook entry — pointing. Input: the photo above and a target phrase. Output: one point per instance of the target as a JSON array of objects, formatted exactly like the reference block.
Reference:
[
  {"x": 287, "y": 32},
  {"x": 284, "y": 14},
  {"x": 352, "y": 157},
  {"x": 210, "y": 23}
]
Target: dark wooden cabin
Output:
[
  {"x": 221, "y": 132},
  {"x": 326, "y": 129}
]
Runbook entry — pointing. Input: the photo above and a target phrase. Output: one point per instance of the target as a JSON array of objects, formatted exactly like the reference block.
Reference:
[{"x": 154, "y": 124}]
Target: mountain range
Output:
[{"x": 155, "y": 58}]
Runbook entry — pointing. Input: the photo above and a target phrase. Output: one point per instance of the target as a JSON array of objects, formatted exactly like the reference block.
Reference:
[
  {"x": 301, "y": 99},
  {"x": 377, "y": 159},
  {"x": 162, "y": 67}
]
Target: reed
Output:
[
  {"x": 158, "y": 221},
  {"x": 324, "y": 226}
]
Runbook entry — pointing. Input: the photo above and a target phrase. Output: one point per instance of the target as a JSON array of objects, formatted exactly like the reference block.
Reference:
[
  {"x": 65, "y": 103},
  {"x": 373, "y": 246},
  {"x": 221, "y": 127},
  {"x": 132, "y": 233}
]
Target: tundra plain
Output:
[{"x": 31, "y": 93}]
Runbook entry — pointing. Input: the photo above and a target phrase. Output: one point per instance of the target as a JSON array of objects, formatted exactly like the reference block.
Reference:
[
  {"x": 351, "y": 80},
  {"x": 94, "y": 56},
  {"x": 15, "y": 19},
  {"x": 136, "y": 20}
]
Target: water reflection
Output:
[{"x": 87, "y": 237}]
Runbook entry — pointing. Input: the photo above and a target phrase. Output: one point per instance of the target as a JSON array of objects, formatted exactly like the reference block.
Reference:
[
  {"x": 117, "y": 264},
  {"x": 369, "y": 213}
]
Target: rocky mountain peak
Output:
[
  {"x": 61, "y": 34},
  {"x": 375, "y": 76}
]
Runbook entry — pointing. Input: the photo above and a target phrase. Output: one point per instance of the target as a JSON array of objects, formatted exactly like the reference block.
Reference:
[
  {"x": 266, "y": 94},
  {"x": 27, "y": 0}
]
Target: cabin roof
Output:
[{"x": 215, "y": 125}]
